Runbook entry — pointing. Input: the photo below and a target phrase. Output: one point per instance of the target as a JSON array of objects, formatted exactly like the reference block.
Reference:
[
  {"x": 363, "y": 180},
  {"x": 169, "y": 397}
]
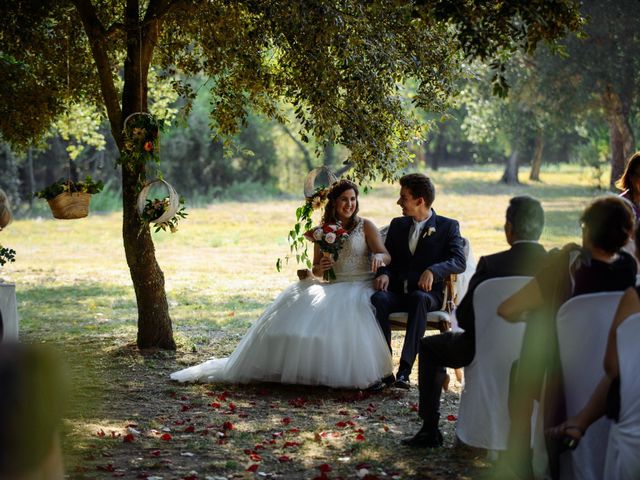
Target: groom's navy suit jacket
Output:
[{"x": 441, "y": 251}]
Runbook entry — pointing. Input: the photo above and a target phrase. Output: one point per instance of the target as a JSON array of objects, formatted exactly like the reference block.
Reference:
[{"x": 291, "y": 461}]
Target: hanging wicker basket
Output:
[
  {"x": 70, "y": 205},
  {"x": 174, "y": 200}
]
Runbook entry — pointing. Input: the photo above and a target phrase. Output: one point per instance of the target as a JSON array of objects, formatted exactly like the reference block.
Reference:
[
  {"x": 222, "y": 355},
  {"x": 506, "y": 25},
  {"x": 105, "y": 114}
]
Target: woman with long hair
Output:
[{"x": 317, "y": 333}]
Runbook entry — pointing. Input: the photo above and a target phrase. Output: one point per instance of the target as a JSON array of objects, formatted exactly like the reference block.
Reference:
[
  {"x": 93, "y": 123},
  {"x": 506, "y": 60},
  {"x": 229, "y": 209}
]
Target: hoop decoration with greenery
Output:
[
  {"x": 142, "y": 137},
  {"x": 142, "y": 144},
  {"x": 315, "y": 199},
  {"x": 70, "y": 200},
  {"x": 7, "y": 255},
  {"x": 163, "y": 212}
]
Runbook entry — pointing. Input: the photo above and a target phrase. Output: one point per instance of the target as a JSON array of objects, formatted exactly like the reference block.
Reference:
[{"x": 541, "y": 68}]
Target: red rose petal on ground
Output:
[
  {"x": 291, "y": 444},
  {"x": 341, "y": 424},
  {"x": 284, "y": 458},
  {"x": 156, "y": 453},
  {"x": 343, "y": 412},
  {"x": 128, "y": 438},
  {"x": 190, "y": 429},
  {"x": 452, "y": 418},
  {"x": 232, "y": 407},
  {"x": 253, "y": 468},
  {"x": 184, "y": 408},
  {"x": 360, "y": 438},
  {"x": 101, "y": 433},
  {"x": 227, "y": 426},
  {"x": 258, "y": 446},
  {"x": 414, "y": 407},
  {"x": 286, "y": 420},
  {"x": 184, "y": 399},
  {"x": 255, "y": 457},
  {"x": 293, "y": 430},
  {"x": 179, "y": 422},
  {"x": 215, "y": 405},
  {"x": 166, "y": 437},
  {"x": 324, "y": 468}
]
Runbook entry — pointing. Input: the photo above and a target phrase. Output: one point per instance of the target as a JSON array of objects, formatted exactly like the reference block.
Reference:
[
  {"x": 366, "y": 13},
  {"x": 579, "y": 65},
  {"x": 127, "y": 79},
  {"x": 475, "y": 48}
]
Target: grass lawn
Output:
[{"x": 74, "y": 291}]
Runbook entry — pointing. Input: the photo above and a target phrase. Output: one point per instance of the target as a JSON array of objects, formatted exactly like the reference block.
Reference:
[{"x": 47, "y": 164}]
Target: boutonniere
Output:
[{"x": 430, "y": 231}]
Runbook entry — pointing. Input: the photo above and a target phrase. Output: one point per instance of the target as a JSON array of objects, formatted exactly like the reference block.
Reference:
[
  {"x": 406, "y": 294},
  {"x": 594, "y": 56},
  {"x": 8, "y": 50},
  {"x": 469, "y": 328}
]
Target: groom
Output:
[{"x": 425, "y": 249}]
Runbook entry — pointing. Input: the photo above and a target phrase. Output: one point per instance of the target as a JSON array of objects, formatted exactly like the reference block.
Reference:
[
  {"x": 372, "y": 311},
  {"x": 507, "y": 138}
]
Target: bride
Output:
[{"x": 317, "y": 333}]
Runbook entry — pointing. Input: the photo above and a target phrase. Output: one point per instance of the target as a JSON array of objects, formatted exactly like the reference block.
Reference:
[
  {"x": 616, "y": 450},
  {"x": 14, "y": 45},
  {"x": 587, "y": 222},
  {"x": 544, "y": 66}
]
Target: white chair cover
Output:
[
  {"x": 462, "y": 279},
  {"x": 623, "y": 451},
  {"x": 583, "y": 324},
  {"x": 9, "y": 311},
  {"x": 483, "y": 417}
]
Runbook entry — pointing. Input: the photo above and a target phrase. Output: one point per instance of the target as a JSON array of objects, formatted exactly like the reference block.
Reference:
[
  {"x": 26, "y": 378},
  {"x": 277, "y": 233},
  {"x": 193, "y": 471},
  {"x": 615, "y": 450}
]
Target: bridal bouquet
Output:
[{"x": 330, "y": 239}]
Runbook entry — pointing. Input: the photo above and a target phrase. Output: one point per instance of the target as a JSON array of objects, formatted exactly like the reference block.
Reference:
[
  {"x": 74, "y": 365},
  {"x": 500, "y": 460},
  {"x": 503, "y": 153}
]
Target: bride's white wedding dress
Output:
[{"x": 313, "y": 333}]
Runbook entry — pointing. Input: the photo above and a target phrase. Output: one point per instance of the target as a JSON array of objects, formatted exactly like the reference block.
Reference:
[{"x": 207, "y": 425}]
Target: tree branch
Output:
[{"x": 95, "y": 32}]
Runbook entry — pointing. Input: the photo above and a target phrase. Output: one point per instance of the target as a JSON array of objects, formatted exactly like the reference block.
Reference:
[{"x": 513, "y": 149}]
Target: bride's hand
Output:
[
  {"x": 377, "y": 261},
  {"x": 325, "y": 264}
]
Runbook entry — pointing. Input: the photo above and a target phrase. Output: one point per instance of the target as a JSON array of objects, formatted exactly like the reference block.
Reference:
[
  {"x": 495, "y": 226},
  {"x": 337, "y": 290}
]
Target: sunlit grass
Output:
[{"x": 220, "y": 271}]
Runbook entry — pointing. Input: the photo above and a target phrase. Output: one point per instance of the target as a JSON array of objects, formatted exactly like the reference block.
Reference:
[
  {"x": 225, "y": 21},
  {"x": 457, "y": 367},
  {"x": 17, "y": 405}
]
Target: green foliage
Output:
[
  {"x": 304, "y": 222},
  {"x": 155, "y": 208},
  {"x": 62, "y": 185},
  {"x": 141, "y": 139},
  {"x": 7, "y": 255}
]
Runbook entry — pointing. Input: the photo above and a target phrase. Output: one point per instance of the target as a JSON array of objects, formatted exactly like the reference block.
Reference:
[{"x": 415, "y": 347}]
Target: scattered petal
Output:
[
  {"x": 452, "y": 418},
  {"x": 286, "y": 420},
  {"x": 253, "y": 468},
  {"x": 284, "y": 458},
  {"x": 324, "y": 468},
  {"x": 166, "y": 437},
  {"x": 190, "y": 429},
  {"x": 128, "y": 438}
]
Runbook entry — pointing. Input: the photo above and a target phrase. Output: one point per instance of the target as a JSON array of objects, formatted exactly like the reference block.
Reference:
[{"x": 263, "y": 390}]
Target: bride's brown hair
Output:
[{"x": 330, "y": 209}]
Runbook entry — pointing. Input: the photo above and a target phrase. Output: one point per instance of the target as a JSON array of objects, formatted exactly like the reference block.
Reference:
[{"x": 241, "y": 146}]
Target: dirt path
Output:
[{"x": 127, "y": 419}]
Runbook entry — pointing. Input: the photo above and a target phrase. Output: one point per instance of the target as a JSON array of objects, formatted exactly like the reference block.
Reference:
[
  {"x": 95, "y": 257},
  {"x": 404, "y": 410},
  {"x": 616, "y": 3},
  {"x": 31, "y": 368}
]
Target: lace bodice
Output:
[{"x": 354, "y": 261}]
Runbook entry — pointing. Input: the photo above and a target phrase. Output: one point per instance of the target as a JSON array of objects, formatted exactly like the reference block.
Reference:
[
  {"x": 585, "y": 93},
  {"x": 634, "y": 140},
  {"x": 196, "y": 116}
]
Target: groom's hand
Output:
[
  {"x": 426, "y": 281},
  {"x": 381, "y": 282}
]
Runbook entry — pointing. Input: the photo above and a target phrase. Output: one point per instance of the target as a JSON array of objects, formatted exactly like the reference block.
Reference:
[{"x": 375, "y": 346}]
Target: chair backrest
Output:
[
  {"x": 623, "y": 461},
  {"x": 483, "y": 417},
  {"x": 583, "y": 324}
]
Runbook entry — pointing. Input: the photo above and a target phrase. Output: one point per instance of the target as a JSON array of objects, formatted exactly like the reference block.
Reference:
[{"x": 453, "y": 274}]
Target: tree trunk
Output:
[
  {"x": 329, "y": 155},
  {"x": 510, "y": 175},
  {"x": 31, "y": 177},
  {"x": 536, "y": 162},
  {"x": 154, "y": 322},
  {"x": 300, "y": 145},
  {"x": 621, "y": 138}
]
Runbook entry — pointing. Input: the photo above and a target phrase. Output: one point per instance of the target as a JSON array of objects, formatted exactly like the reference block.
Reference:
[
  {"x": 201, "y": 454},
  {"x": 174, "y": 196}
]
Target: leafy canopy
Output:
[{"x": 341, "y": 63}]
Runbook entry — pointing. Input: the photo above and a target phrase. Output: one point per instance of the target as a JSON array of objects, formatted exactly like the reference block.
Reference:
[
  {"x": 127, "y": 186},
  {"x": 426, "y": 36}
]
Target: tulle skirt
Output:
[{"x": 312, "y": 334}]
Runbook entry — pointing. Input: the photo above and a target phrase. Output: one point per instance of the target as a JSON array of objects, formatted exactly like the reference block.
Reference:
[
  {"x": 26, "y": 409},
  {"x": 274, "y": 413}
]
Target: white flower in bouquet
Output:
[
  {"x": 317, "y": 234},
  {"x": 330, "y": 238}
]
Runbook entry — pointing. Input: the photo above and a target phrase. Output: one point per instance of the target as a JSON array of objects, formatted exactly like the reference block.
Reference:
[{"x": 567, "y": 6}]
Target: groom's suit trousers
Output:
[{"x": 417, "y": 304}]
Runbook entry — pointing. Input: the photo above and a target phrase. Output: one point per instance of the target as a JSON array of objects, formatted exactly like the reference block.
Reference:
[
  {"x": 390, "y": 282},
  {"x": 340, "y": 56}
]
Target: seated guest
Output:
[
  {"x": 605, "y": 399},
  {"x": 523, "y": 226},
  {"x": 425, "y": 249},
  {"x": 598, "y": 266},
  {"x": 32, "y": 392}
]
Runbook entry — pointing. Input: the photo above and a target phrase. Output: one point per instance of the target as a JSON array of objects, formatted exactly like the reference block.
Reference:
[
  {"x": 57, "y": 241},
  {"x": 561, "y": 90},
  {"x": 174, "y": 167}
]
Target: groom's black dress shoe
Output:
[
  {"x": 402, "y": 381},
  {"x": 424, "y": 439}
]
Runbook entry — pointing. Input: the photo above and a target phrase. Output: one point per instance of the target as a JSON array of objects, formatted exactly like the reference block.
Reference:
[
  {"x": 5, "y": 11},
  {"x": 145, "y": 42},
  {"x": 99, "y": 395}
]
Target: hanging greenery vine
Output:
[{"x": 142, "y": 147}]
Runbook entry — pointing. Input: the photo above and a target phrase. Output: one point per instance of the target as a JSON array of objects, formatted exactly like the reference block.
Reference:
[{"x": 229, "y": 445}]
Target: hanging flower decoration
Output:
[{"x": 142, "y": 138}]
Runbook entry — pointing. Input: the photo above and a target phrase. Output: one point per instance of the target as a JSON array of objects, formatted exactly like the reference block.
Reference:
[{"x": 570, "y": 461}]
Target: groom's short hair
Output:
[
  {"x": 526, "y": 217},
  {"x": 420, "y": 186}
]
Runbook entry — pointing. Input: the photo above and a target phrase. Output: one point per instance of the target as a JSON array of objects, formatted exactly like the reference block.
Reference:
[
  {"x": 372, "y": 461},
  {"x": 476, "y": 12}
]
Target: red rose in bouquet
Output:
[{"x": 330, "y": 238}]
